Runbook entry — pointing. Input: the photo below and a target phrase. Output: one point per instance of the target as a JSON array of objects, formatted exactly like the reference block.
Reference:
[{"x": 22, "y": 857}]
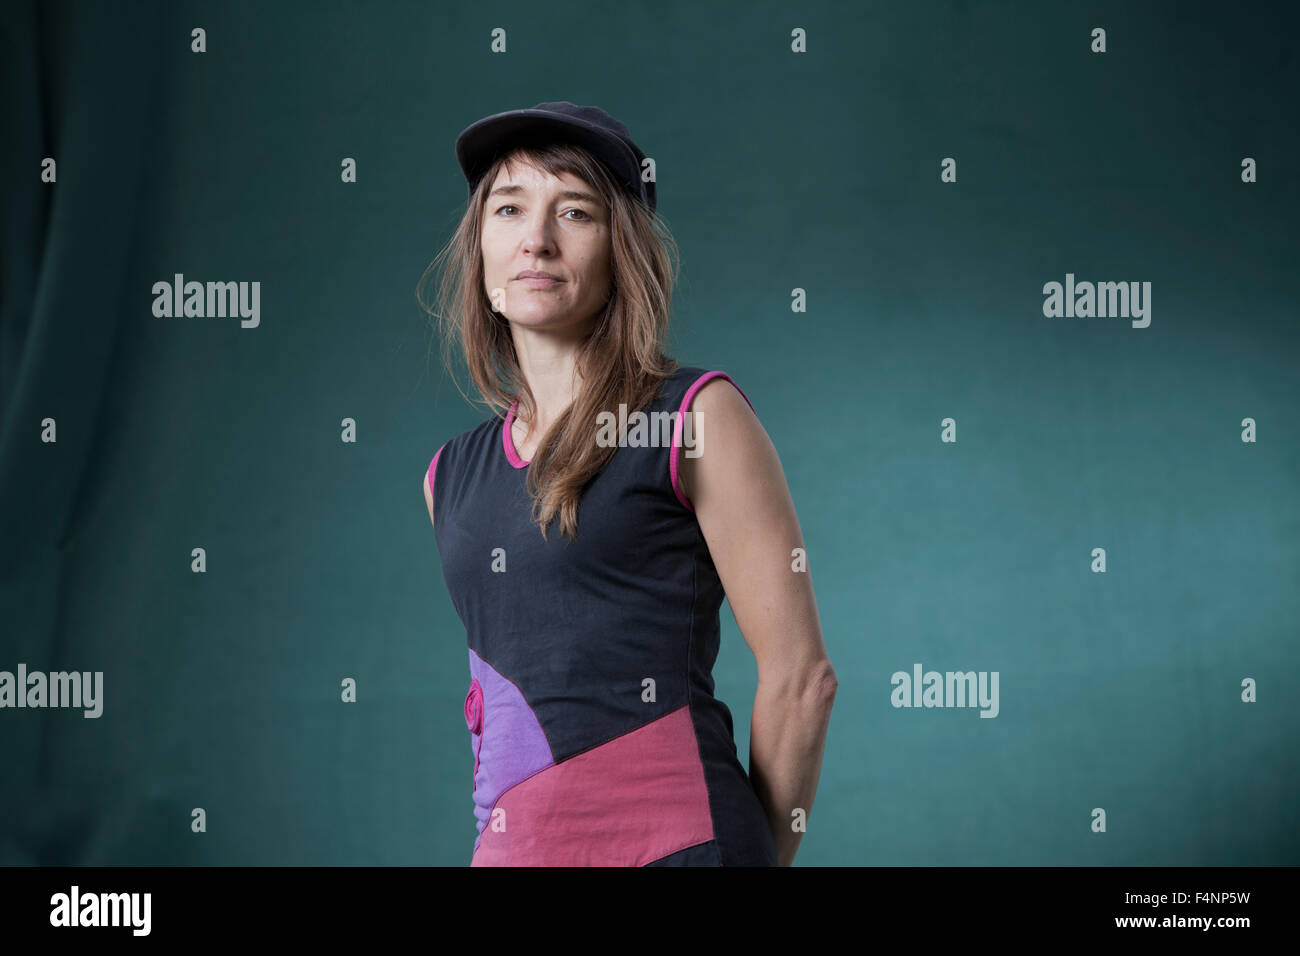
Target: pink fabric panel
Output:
[
  {"x": 679, "y": 424},
  {"x": 628, "y": 802}
]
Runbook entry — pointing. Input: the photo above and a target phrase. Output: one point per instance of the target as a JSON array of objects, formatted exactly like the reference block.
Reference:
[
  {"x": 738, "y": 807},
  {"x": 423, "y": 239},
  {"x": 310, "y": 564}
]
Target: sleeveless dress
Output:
[{"x": 596, "y": 736}]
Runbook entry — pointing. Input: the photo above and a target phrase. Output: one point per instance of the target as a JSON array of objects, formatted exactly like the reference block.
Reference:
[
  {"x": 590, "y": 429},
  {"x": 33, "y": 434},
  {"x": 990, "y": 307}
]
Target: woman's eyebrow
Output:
[{"x": 515, "y": 190}]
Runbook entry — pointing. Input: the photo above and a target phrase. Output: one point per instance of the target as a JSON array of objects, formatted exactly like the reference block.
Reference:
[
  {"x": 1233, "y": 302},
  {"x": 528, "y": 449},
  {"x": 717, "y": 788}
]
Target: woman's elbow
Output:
[
  {"x": 824, "y": 683},
  {"x": 814, "y": 684}
]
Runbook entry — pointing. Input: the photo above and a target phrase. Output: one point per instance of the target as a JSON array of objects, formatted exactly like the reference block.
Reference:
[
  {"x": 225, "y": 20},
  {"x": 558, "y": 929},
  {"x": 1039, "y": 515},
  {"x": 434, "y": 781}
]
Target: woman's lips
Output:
[{"x": 537, "y": 282}]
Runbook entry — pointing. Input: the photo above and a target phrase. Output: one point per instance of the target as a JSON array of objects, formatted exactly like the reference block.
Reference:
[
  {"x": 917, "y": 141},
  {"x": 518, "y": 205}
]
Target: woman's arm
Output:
[{"x": 743, "y": 504}]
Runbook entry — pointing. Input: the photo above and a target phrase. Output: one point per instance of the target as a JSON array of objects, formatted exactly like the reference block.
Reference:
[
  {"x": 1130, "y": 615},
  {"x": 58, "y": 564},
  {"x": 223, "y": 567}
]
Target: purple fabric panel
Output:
[{"x": 512, "y": 746}]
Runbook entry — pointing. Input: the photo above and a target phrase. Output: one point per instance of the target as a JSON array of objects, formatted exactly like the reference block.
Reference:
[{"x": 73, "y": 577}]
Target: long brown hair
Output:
[{"x": 622, "y": 361}]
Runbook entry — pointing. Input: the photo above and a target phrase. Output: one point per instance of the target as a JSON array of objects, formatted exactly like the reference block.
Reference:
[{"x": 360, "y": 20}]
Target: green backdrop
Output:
[{"x": 778, "y": 170}]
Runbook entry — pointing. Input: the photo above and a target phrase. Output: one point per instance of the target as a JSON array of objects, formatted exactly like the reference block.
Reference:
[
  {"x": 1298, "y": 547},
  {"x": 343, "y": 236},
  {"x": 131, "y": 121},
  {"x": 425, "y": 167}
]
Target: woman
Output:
[{"x": 597, "y": 739}]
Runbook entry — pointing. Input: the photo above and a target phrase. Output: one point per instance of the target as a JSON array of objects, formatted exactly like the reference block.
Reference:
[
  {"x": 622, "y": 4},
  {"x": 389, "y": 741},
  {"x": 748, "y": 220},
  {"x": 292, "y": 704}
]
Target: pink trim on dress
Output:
[
  {"x": 431, "y": 475},
  {"x": 511, "y": 455},
  {"x": 474, "y": 720},
  {"x": 678, "y": 424}
]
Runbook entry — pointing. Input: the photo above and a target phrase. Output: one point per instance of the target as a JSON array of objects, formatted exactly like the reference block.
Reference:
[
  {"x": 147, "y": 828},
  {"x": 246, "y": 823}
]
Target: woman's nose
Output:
[
  {"x": 539, "y": 246},
  {"x": 538, "y": 239}
]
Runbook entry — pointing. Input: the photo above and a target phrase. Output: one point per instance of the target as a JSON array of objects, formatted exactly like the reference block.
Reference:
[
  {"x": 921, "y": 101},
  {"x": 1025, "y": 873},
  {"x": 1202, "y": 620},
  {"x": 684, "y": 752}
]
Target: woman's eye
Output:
[{"x": 581, "y": 212}]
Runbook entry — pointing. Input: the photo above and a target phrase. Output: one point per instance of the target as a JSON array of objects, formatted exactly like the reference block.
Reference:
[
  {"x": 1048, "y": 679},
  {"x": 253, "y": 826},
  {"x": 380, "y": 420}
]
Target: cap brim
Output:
[{"x": 480, "y": 143}]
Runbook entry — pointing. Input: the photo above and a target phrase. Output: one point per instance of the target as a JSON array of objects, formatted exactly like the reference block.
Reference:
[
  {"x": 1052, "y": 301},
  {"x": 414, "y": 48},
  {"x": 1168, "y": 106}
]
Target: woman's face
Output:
[{"x": 536, "y": 221}]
